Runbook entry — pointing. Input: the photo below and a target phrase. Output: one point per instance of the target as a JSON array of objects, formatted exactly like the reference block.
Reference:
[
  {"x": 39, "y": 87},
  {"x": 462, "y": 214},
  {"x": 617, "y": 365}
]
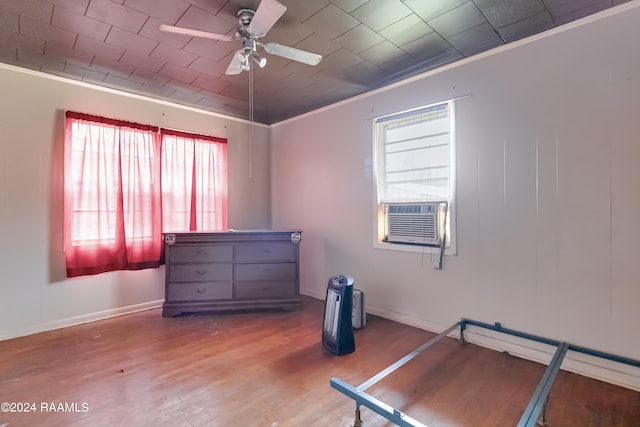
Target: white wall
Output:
[
  {"x": 548, "y": 201},
  {"x": 35, "y": 294}
]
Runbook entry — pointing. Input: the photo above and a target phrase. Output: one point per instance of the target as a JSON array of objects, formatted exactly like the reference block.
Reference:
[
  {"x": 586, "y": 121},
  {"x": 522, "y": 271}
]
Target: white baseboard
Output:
[
  {"x": 593, "y": 367},
  {"x": 77, "y": 320}
]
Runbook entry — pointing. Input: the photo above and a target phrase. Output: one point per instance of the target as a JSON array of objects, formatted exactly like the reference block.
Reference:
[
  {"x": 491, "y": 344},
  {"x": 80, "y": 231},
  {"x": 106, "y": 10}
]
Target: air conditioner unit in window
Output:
[{"x": 419, "y": 223}]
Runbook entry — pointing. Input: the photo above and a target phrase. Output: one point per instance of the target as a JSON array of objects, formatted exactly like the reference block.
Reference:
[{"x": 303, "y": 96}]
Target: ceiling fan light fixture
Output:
[{"x": 260, "y": 60}]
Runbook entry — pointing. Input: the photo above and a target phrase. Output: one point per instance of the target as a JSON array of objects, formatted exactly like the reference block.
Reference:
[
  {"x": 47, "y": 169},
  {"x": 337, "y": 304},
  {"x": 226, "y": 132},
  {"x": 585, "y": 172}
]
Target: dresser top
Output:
[
  {"x": 231, "y": 236},
  {"x": 231, "y": 230}
]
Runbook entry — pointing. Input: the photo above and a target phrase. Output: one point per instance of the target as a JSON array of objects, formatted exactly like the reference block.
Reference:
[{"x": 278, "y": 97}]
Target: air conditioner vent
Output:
[{"x": 414, "y": 223}]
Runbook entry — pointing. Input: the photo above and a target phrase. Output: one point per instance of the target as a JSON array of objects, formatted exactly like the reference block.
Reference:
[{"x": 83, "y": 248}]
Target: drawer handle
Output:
[
  {"x": 266, "y": 251},
  {"x": 201, "y": 272},
  {"x": 201, "y": 252},
  {"x": 201, "y": 290}
]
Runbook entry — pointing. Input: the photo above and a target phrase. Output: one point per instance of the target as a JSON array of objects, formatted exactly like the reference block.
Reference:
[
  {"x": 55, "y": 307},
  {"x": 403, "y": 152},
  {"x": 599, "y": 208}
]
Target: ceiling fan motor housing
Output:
[{"x": 245, "y": 16}]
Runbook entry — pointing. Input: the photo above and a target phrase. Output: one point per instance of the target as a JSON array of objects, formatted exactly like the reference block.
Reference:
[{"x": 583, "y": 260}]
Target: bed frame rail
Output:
[{"x": 533, "y": 415}]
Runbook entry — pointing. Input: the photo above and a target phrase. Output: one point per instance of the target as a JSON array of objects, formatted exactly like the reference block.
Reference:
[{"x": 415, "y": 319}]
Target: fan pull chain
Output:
[{"x": 250, "y": 120}]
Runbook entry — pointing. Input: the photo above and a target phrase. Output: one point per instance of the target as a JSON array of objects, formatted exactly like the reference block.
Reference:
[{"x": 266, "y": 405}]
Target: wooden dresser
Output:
[{"x": 231, "y": 270}]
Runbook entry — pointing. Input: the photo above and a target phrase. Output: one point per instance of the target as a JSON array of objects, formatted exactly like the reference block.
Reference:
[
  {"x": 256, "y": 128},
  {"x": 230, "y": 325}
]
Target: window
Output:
[
  {"x": 118, "y": 179},
  {"x": 415, "y": 167},
  {"x": 194, "y": 167}
]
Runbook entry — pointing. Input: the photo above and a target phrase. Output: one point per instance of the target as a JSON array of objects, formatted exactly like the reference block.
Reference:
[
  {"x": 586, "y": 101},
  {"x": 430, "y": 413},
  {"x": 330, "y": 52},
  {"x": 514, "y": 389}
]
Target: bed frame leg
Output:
[
  {"x": 463, "y": 326},
  {"x": 542, "y": 420},
  {"x": 357, "y": 422}
]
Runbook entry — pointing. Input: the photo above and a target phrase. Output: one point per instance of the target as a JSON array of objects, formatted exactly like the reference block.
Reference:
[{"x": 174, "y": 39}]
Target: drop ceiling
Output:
[{"x": 365, "y": 45}]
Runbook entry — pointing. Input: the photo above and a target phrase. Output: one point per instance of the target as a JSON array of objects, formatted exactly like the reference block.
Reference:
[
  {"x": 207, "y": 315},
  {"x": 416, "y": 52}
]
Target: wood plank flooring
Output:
[{"x": 269, "y": 369}]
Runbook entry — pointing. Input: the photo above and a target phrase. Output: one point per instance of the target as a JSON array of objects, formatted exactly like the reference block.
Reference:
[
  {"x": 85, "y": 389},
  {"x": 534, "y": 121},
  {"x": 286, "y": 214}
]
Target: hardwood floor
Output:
[{"x": 269, "y": 369}]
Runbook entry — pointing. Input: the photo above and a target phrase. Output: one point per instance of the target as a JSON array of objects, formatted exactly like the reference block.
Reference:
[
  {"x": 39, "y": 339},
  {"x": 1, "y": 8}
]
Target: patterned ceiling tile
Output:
[
  {"x": 501, "y": 13},
  {"x": 363, "y": 74},
  {"x": 77, "y": 6},
  {"x": 562, "y": 7},
  {"x": 64, "y": 18},
  {"x": 9, "y": 21},
  {"x": 295, "y": 69},
  {"x": 118, "y": 15},
  {"x": 349, "y": 5},
  {"x": 527, "y": 27},
  {"x": 36, "y": 60},
  {"x": 35, "y": 29},
  {"x": 181, "y": 74},
  {"x": 173, "y": 55},
  {"x": 131, "y": 42},
  {"x": 22, "y": 41},
  {"x": 86, "y": 73},
  {"x": 145, "y": 62},
  {"x": 54, "y": 50},
  {"x": 208, "y": 66},
  {"x": 34, "y": 9},
  {"x": 406, "y": 30},
  {"x": 340, "y": 60},
  {"x": 382, "y": 53},
  {"x": 317, "y": 44},
  {"x": 111, "y": 67},
  {"x": 211, "y": 6},
  {"x": 457, "y": 20},
  {"x": 118, "y": 82},
  {"x": 159, "y": 90},
  {"x": 476, "y": 40},
  {"x": 582, "y": 12},
  {"x": 235, "y": 92},
  {"x": 442, "y": 58},
  {"x": 331, "y": 21},
  {"x": 167, "y": 11},
  {"x": 210, "y": 83},
  {"x": 299, "y": 11},
  {"x": 89, "y": 45},
  {"x": 426, "y": 47},
  {"x": 432, "y": 8},
  {"x": 358, "y": 39},
  {"x": 148, "y": 78},
  {"x": 378, "y": 14},
  {"x": 398, "y": 66},
  {"x": 8, "y": 54}
]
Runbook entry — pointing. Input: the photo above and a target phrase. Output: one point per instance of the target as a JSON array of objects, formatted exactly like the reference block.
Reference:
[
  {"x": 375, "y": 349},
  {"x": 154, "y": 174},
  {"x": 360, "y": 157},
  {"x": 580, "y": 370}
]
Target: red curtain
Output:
[
  {"x": 194, "y": 181},
  {"x": 112, "y": 216}
]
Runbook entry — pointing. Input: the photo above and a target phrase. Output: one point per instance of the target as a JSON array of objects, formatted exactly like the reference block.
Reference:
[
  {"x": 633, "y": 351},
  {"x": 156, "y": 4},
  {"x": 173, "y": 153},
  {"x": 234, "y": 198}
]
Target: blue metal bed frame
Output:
[{"x": 534, "y": 412}]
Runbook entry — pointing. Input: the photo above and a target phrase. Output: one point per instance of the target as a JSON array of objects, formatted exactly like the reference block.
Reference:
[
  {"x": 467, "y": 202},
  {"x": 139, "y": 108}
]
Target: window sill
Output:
[{"x": 431, "y": 250}]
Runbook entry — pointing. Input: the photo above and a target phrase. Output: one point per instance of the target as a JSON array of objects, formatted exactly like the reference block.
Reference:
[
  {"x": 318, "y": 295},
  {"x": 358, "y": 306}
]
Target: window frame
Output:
[{"x": 379, "y": 220}]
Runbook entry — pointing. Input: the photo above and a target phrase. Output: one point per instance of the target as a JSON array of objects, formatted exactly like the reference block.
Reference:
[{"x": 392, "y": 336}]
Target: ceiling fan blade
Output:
[
  {"x": 268, "y": 12},
  {"x": 195, "y": 33},
  {"x": 293, "y": 53},
  {"x": 235, "y": 66}
]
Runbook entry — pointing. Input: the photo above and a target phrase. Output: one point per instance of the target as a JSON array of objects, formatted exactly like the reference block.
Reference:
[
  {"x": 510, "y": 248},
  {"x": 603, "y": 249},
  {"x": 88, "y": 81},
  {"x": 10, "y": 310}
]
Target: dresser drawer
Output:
[
  {"x": 199, "y": 291},
  {"x": 200, "y": 272},
  {"x": 259, "y": 290},
  {"x": 268, "y": 251},
  {"x": 283, "y": 271},
  {"x": 202, "y": 253}
]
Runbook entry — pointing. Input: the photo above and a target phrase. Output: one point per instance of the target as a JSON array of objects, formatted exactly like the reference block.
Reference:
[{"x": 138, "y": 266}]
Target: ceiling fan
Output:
[{"x": 252, "y": 26}]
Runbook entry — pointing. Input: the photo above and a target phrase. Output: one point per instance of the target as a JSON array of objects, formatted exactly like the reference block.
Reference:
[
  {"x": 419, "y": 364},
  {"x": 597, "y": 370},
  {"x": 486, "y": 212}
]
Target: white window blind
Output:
[{"x": 413, "y": 156}]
